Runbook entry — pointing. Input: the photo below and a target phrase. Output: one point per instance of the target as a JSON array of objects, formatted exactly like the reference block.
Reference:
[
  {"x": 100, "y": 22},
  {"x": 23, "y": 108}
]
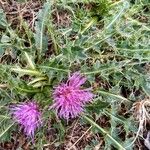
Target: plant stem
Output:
[{"x": 104, "y": 132}]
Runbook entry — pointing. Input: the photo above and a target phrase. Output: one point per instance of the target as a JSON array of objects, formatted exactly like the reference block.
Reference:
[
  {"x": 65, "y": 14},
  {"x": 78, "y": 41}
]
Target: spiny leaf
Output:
[
  {"x": 146, "y": 87},
  {"x": 113, "y": 95},
  {"x": 97, "y": 106},
  {"x": 41, "y": 40},
  {"x": 3, "y": 22},
  {"x": 118, "y": 15}
]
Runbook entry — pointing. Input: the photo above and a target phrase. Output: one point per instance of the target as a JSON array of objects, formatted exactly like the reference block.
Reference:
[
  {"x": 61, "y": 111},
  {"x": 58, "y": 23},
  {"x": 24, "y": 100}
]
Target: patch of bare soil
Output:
[
  {"x": 17, "y": 12},
  {"x": 18, "y": 140},
  {"x": 61, "y": 18}
]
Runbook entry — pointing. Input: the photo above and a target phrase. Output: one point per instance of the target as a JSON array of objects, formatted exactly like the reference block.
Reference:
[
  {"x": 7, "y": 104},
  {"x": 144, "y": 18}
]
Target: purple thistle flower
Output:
[
  {"x": 70, "y": 98},
  {"x": 28, "y": 116}
]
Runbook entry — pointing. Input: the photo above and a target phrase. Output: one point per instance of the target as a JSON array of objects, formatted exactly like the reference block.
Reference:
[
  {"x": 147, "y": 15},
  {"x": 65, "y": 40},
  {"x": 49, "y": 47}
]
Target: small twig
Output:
[
  {"x": 49, "y": 144},
  {"x": 80, "y": 138},
  {"x": 73, "y": 129},
  {"x": 33, "y": 19},
  {"x": 3, "y": 85}
]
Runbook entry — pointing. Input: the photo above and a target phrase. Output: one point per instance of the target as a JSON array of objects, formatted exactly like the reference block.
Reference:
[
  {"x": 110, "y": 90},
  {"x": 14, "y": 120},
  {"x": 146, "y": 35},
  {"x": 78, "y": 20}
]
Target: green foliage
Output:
[
  {"x": 3, "y": 21},
  {"x": 108, "y": 43},
  {"x": 97, "y": 106},
  {"x": 41, "y": 40},
  {"x": 100, "y": 8},
  {"x": 6, "y": 124}
]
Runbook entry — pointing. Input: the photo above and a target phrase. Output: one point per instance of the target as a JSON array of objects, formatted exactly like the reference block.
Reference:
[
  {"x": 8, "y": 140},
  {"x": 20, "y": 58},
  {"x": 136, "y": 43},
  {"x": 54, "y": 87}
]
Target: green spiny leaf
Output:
[{"x": 41, "y": 40}]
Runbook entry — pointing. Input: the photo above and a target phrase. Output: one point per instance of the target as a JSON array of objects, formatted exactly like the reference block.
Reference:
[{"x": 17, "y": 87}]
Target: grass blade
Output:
[{"x": 6, "y": 130}]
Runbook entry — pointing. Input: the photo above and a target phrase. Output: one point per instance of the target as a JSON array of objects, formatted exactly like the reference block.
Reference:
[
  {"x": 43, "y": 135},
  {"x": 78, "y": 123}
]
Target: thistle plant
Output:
[{"x": 72, "y": 71}]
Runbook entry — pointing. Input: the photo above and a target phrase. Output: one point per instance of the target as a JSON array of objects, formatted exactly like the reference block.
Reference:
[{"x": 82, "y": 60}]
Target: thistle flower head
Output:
[
  {"x": 28, "y": 116},
  {"x": 70, "y": 97}
]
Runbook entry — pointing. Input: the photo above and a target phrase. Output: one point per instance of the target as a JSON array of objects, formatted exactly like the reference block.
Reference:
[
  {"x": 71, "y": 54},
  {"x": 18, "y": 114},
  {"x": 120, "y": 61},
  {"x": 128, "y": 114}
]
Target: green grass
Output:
[{"x": 107, "y": 41}]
